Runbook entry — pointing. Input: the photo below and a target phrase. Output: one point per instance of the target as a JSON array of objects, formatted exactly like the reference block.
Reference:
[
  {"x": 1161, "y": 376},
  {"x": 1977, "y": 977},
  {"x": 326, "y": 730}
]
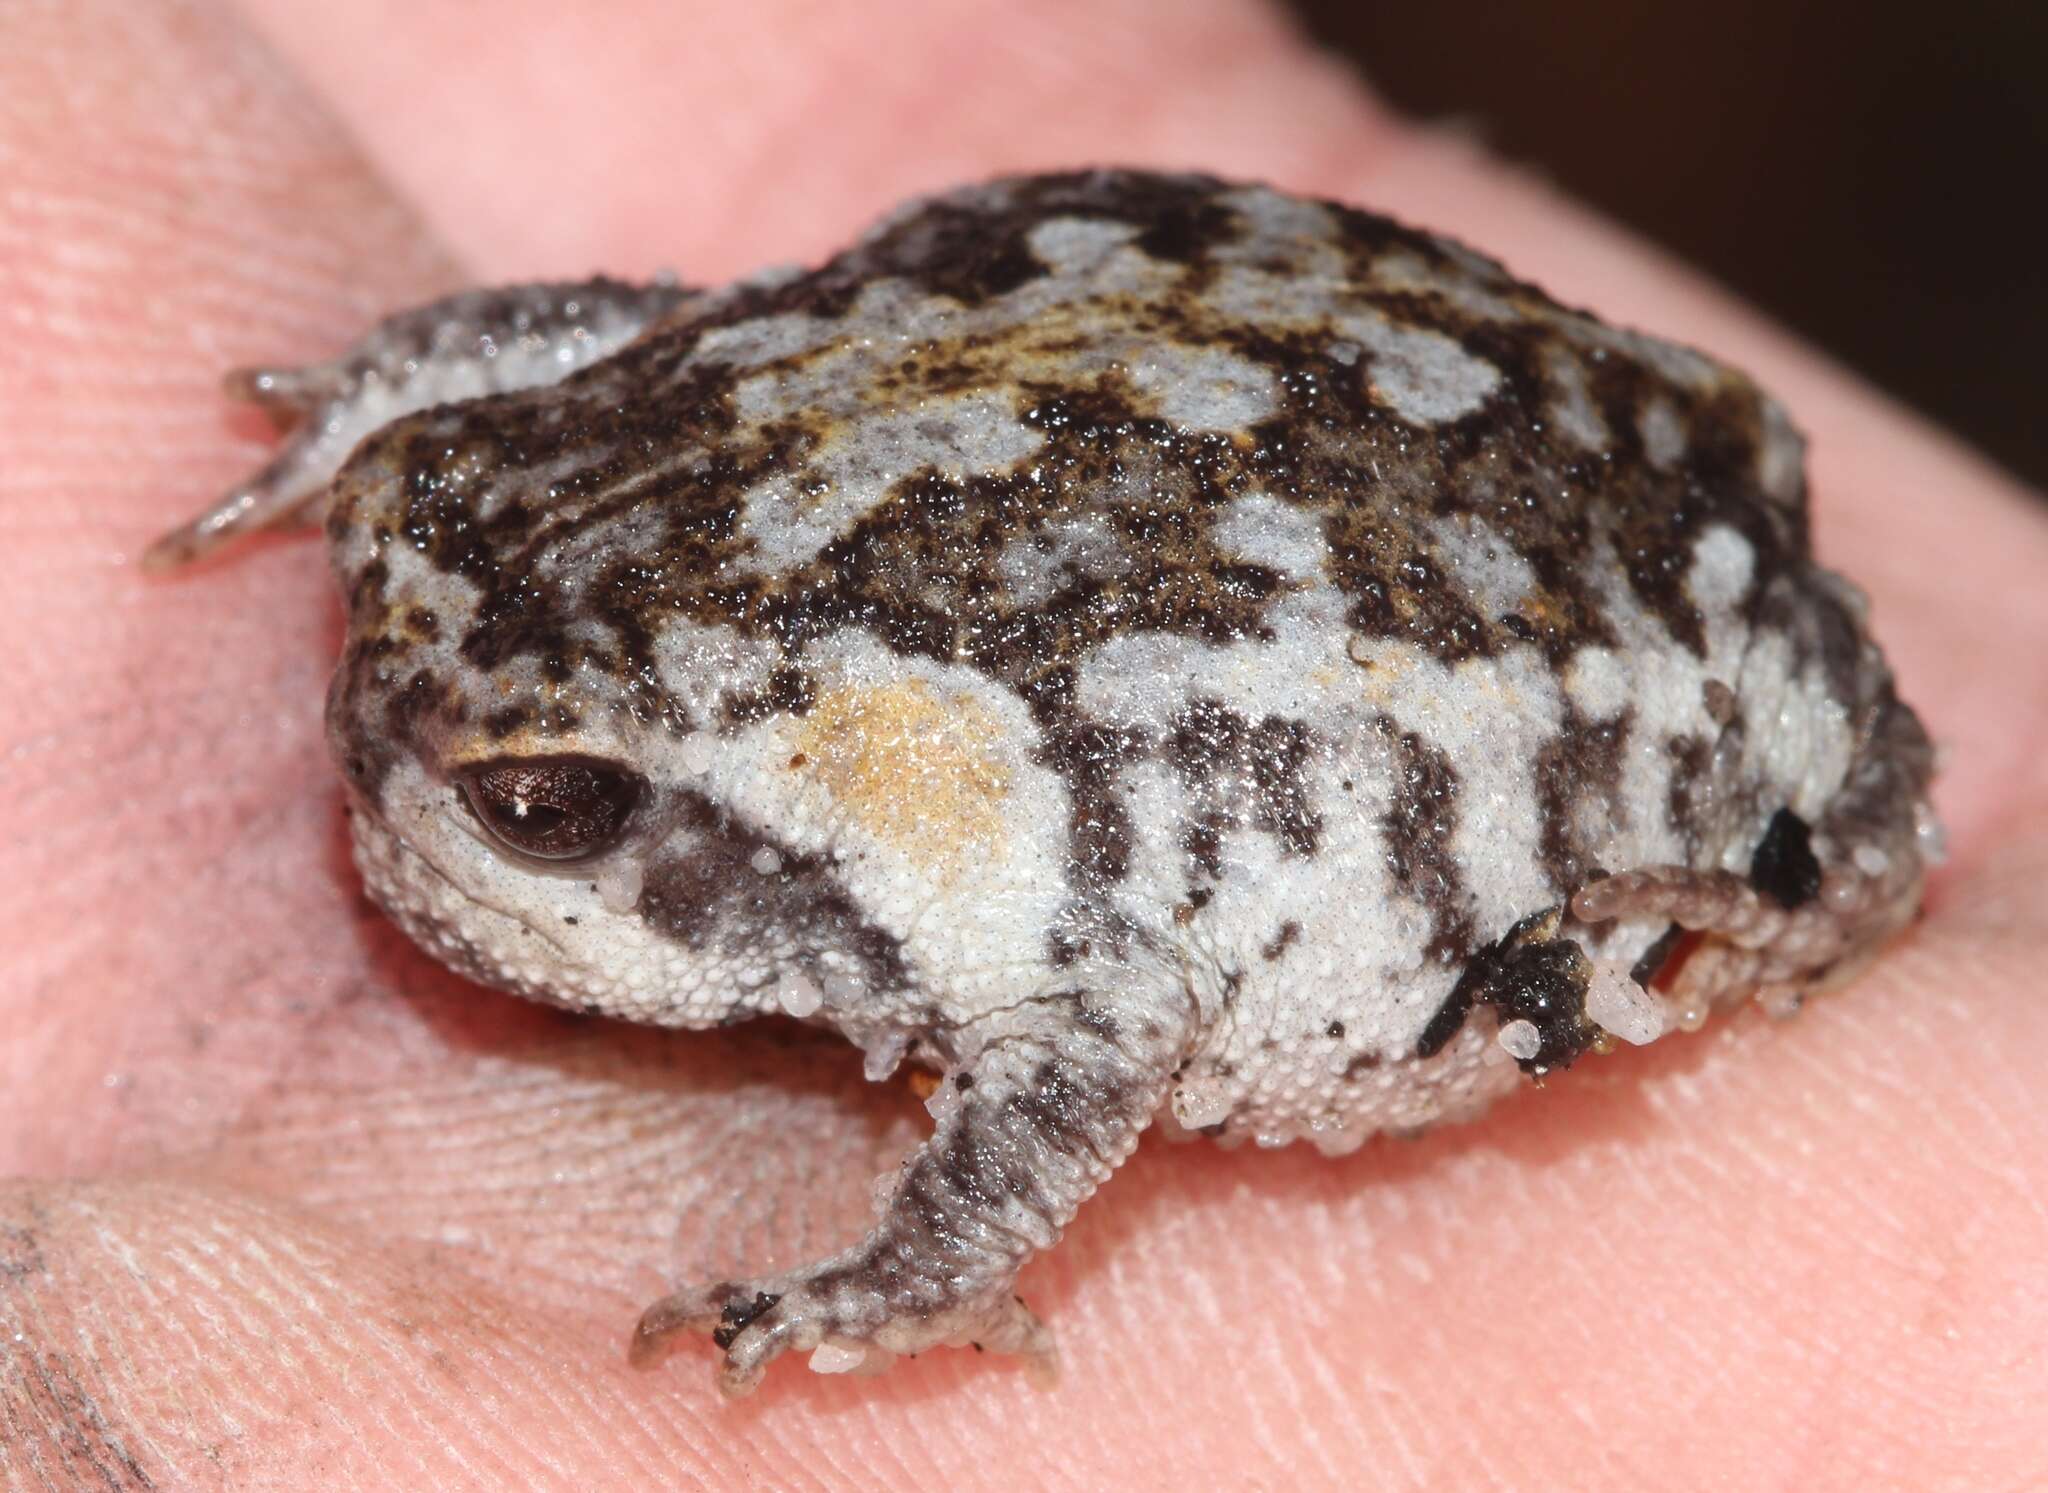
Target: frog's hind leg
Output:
[
  {"x": 1039, "y": 1108},
  {"x": 1818, "y": 902},
  {"x": 460, "y": 347}
]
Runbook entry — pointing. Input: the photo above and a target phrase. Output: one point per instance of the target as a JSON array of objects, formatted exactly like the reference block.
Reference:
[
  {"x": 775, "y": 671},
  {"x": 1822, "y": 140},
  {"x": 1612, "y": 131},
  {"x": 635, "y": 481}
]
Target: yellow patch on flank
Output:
[{"x": 909, "y": 765}]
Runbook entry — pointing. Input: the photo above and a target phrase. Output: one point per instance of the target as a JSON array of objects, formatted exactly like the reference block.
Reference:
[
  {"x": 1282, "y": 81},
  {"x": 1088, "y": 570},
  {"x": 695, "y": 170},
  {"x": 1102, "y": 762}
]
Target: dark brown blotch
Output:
[
  {"x": 737, "y": 1315},
  {"x": 1241, "y": 774},
  {"x": 1534, "y": 975},
  {"x": 1580, "y": 766},
  {"x": 1419, "y": 824},
  {"x": 1784, "y": 867},
  {"x": 1281, "y": 941},
  {"x": 788, "y": 690},
  {"x": 708, "y": 894}
]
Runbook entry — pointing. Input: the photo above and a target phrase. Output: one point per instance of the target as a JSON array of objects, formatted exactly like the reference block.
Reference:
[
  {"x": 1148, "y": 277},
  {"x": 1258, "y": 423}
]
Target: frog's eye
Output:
[{"x": 553, "y": 808}]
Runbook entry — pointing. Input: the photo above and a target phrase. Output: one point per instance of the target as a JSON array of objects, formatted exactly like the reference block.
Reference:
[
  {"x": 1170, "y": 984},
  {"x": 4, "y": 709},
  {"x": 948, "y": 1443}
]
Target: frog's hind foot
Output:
[
  {"x": 460, "y": 347},
  {"x": 836, "y": 1320},
  {"x": 1819, "y": 901}
]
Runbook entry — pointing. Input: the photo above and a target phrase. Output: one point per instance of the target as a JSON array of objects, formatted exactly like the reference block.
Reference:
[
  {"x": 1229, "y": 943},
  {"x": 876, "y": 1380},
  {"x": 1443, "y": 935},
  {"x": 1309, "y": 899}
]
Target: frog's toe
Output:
[
  {"x": 663, "y": 1324},
  {"x": 326, "y": 409},
  {"x": 754, "y": 1322},
  {"x": 289, "y": 489},
  {"x": 289, "y": 393}
]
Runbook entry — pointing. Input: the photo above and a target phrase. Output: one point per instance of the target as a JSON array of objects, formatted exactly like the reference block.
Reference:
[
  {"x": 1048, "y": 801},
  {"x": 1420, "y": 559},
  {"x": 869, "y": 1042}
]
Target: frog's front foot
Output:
[
  {"x": 845, "y": 1327},
  {"x": 1040, "y": 1111},
  {"x": 460, "y": 347}
]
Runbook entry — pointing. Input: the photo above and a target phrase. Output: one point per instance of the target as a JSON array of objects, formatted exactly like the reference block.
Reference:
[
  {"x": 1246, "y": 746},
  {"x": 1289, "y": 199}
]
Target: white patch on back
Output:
[
  {"x": 767, "y": 339},
  {"x": 1598, "y": 682},
  {"x": 1683, "y": 366},
  {"x": 1205, "y": 388},
  {"x": 1781, "y": 463},
  {"x": 1265, "y": 531},
  {"x": 1423, "y": 376},
  {"x": 791, "y": 519},
  {"x": 1723, "y": 565},
  {"x": 1663, "y": 433},
  {"x": 1277, "y": 219},
  {"x": 1401, "y": 270},
  {"x": 1571, "y": 410},
  {"x": 1075, "y": 246},
  {"x": 1489, "y": 569},
  {"x": 1249, "y": 292}
]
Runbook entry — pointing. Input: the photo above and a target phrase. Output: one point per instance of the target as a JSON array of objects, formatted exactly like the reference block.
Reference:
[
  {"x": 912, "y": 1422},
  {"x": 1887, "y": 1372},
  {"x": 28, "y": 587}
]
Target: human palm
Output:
[{"x": 297, "y": 1208}]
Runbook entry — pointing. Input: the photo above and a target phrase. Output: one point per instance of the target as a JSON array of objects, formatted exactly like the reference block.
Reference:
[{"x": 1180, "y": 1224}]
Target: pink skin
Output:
[{"x": 298, "y": 1209}]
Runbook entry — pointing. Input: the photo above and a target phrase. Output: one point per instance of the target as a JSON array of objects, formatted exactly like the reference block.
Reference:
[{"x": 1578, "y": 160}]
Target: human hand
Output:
[{"x": 300, "y": 1209}]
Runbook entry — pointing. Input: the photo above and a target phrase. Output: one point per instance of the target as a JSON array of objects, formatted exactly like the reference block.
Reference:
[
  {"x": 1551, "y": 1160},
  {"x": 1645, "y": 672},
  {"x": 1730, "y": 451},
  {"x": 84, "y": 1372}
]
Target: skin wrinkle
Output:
[
  {"x": 273, "y": 1286},
  {"x": 1866, "y": 451}
]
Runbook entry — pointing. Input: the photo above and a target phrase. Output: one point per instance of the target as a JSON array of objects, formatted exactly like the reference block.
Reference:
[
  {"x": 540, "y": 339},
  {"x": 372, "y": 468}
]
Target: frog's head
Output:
[{"x": 553, "y": 793}]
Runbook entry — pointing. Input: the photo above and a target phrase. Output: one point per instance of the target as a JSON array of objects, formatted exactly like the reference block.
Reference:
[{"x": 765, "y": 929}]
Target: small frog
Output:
[{"x": 1141, "y": 647}]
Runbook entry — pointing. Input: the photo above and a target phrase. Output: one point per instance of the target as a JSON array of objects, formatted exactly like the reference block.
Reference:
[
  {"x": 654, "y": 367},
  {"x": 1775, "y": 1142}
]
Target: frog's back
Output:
[{"x": 1068, "y": 399}]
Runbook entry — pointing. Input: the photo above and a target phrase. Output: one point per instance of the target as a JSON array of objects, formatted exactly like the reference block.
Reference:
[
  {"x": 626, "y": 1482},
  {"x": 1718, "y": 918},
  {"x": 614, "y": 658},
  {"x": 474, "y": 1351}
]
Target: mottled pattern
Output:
[{"x": 1145, "y": 646}]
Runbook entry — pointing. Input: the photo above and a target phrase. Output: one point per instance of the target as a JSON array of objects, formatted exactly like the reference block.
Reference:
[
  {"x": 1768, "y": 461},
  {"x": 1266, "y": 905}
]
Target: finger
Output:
[
  {"x": 716, "y": 137},
  {"x": 173, "y": 207},
  {"x": 592, "y": 1172},
  {"x": 246, "y": 949},
  {"x": 1609, "y": 1279},
  {"x": 166, "y": 1336}
]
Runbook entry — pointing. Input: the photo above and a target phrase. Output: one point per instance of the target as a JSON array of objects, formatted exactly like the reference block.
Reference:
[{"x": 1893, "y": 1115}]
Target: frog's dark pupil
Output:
[
  {"x": 536, "y": 819},
  {"x": 553, "y": 808}
]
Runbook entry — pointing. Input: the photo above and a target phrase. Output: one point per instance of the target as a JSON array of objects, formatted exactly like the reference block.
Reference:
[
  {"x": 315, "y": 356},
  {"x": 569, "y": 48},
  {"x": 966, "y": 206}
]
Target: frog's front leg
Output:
[
  {"x": 460, "y": 347},
  {"x": 1051, "y": 1102}
]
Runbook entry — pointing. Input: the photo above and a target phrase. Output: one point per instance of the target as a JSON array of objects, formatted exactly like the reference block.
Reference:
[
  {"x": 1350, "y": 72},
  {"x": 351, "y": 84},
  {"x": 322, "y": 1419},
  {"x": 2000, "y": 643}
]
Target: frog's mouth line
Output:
[
  {"x": 395, "y": 862},
  {"x": 407, "y": 883}
]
